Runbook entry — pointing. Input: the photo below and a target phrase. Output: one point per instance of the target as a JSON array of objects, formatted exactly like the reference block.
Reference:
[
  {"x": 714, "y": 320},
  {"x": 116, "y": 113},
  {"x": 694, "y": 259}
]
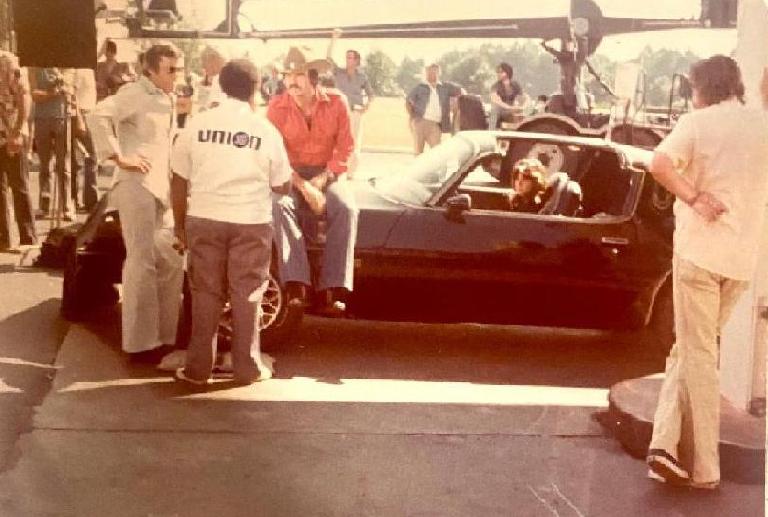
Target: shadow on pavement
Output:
[
  {"x": 29, "y": 342},
  {"x": 330, "y": 350}
]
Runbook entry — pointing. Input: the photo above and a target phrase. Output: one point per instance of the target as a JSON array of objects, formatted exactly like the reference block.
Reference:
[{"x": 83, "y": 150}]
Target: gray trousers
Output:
[
  {"x": 51, "y": 138},
  {"x": 293, "y": 219},
  {"x": 14, "y": 173},
  {"x": 226, "y": 261},
  {"x": 90, "y": 190},
  {"x": 152, "y": 272}
]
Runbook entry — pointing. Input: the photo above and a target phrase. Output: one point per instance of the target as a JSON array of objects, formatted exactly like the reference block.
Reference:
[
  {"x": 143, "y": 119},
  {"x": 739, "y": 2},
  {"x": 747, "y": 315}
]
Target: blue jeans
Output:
[
  {"x": 293, "y": 221},
  {"x": 495, "y": 116}
]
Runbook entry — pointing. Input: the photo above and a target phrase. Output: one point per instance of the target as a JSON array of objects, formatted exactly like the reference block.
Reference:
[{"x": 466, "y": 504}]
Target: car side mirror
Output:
[{"x": 455, "y": 207}]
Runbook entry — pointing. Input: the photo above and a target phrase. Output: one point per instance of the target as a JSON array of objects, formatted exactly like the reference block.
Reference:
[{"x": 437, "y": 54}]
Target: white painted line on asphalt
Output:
[
  {"x": 7, "y": 388},
  {"x": 21, "y": 362},
  {"x": 302, "y": 389}
]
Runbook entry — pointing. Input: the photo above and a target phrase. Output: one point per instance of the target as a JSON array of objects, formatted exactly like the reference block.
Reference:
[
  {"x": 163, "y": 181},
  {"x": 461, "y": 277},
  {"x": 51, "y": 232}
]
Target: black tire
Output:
[
  {"x": 286, "y": 321},
  {"x": 83, "y": 293},
  {"x": 73, "y": 306},
  {"x": 555, "y": 157}
]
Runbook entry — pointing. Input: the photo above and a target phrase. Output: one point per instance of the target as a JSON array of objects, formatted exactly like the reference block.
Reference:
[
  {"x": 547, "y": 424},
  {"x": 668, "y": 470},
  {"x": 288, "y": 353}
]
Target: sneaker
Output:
[
  {"x": 179, "y": 375},
  {"x": 667, "y": 467}
]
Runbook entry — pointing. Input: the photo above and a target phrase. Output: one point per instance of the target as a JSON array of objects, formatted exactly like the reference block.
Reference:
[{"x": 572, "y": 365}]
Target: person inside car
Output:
[{"x": 528, "y": 182}]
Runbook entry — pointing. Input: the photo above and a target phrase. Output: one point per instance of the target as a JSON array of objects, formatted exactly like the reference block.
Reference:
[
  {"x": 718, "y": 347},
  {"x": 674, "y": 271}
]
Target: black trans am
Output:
[{"x": 437, "y": 242}]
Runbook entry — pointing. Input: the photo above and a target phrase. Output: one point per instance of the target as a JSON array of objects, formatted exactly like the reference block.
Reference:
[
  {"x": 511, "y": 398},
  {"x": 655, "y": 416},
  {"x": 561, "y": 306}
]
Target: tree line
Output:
[{"x": 535, "y": 70}]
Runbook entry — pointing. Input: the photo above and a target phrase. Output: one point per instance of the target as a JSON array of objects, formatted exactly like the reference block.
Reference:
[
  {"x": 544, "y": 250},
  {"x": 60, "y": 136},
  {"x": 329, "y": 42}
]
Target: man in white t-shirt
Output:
[
  {"x": 228, "y": 160},
  {"x": 715, "y": 162}
]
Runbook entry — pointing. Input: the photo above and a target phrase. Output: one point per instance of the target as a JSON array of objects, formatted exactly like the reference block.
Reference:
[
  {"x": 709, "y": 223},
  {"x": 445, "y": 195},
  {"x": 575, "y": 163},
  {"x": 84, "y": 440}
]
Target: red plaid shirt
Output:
[{"x": 326, "y": 141}]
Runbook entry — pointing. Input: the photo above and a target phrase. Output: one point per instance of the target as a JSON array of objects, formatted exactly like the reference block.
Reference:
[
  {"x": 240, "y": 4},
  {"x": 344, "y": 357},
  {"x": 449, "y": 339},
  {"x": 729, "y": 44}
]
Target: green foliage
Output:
[
  {"x": 381, "y": 71},
  {"x": 659, "y": 66},
  {"x": 475, "y": 69},
  {"x": 409, "y": 74},
  {"x": 191, "y": 48},
  {"x": 536, "y": 70}
]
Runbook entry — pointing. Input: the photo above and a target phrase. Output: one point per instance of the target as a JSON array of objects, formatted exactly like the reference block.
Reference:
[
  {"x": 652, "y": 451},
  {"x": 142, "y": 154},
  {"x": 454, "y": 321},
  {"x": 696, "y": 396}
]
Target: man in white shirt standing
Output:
[
  {"x": 85, "y": 102},
  {"x": 133, "y": 127},
  {"x": 228, "y": 160},
  {"x": 429, "y": 107},
  {"x": 715, "y": 162}
]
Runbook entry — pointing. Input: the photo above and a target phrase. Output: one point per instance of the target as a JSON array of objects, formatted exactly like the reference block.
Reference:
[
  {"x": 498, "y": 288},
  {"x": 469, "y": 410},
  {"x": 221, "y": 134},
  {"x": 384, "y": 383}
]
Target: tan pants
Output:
[
  {"x": 687, "y": 419},
  {"x": 424, "y": 131}
]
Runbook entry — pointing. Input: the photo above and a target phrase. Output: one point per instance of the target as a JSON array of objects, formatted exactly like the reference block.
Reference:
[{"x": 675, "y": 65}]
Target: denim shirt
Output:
[
  {"x": 52, "y": 108},
  {"x": 137, "y": 120},
  {"x": 419, "y": 97}
]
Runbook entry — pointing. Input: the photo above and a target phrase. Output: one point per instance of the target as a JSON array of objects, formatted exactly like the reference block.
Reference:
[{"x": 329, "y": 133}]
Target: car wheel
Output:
[
  {"x": 279, "y": 321},
  {"x": 554, "y": 157}
]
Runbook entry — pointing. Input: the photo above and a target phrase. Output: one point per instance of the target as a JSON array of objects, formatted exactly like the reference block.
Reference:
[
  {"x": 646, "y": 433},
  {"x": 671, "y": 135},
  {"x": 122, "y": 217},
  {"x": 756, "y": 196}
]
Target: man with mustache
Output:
[{"x": 315, "y": 127}]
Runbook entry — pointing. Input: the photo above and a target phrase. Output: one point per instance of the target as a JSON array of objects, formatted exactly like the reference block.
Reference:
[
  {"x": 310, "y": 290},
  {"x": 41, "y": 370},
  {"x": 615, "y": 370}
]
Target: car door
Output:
[{"x": 477, "y": 266}]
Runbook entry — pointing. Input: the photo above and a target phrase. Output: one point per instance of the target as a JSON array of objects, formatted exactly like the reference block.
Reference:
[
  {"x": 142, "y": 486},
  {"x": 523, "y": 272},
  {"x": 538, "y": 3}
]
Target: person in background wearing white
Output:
[
  {"x": 133, "y": 128},
  {"x": 715, "y": 161},
  {"x": 228, "y": 161},
  {"x": 208, "y": 90},
  {"x": 85, "y": 102}
]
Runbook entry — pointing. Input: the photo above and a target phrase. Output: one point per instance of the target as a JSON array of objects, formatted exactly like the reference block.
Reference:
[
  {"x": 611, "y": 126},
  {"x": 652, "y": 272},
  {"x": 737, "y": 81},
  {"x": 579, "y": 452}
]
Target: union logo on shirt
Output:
[{"x": 239, "y": 139}]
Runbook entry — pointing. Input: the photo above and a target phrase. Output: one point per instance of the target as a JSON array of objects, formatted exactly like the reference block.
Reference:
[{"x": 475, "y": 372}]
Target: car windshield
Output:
[{"x": 419, "y": 180}]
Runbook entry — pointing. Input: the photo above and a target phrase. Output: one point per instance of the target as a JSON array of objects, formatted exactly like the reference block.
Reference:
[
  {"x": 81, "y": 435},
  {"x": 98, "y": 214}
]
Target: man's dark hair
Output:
[
  {"x": 155, "y": 53},
  {"x": 327, "y": 80},
  {"x": 111, "y": 47},
  {"x": 356, "y": 54},
  {"x": 239, "y": 79},
  {"x": 717, "y": 79}
]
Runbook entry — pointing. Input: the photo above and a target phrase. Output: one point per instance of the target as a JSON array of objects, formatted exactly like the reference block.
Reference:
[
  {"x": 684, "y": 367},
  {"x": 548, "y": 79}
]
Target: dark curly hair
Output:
[
  {"x": 507, "y": 69},
  {"x": 716, "y": 79}
]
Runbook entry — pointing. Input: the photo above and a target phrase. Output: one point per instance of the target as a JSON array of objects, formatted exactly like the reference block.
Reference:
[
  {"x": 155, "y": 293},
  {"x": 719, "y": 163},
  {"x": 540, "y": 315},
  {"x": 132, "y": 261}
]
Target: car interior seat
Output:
[{"x": 562, "y": 196}]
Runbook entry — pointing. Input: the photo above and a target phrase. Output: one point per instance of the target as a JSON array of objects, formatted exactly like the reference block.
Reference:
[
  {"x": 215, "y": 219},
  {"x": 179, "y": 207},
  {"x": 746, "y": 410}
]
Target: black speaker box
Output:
[{"x": 58, "y": 33}]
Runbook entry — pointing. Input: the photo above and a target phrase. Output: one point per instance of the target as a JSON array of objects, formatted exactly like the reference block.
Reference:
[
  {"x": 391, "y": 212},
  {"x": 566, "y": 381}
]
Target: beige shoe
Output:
[{"x": 706, "y": 485}]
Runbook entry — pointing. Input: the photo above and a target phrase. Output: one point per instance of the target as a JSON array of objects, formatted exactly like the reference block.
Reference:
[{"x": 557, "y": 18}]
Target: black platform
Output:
[{"x": 742, "y": 436}]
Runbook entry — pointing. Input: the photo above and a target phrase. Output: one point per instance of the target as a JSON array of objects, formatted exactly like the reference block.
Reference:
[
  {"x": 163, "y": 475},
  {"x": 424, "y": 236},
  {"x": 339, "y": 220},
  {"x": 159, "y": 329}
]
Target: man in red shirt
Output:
[{"x": 315, "y": 127}]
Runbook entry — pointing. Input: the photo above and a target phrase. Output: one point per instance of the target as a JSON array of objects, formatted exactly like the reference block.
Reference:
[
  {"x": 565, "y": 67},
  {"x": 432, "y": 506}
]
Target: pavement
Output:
[{"x": 361, "y": 418}]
